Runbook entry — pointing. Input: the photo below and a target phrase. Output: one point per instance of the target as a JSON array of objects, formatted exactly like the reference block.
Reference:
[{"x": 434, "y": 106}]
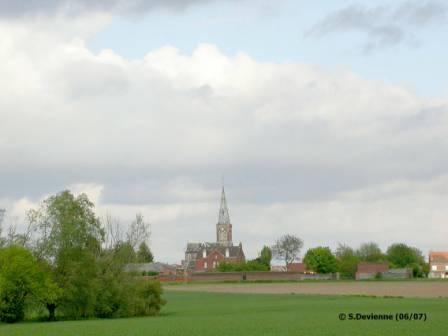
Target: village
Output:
[{"x": 223, "y": 261}]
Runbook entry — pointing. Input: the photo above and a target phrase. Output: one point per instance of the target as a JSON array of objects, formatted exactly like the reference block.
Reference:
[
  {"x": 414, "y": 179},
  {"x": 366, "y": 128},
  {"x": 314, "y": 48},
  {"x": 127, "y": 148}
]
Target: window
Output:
[
  {"x": 214, "y": 264},
  {"x": 434, "y": 267},
  {"x": 446, "y": 267},
  {"x": 205, "y": 264},
  {"x": 204, "y": 253}
]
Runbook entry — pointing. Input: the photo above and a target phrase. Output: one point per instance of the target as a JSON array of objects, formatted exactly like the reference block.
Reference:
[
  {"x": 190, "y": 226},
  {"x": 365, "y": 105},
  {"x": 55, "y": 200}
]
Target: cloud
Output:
[
  {"x": 324, "y": 154},
  {"x": 14, "y": 9},
  {"x": 383, "y": 26}
]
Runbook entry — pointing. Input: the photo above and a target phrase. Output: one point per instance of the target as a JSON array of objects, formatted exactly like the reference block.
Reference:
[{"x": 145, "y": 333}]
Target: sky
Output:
[{"x": 327, "y": 120}]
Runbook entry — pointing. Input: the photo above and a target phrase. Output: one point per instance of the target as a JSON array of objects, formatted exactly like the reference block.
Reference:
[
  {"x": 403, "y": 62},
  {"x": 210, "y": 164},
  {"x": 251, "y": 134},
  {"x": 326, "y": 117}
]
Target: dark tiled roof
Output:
[{"x": 234, "y": 251}]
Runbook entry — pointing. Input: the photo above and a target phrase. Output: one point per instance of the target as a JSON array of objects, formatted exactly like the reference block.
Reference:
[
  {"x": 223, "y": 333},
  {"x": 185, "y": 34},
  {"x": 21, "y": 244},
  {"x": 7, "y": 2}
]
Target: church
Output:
[{"x": 205, "y": 257}]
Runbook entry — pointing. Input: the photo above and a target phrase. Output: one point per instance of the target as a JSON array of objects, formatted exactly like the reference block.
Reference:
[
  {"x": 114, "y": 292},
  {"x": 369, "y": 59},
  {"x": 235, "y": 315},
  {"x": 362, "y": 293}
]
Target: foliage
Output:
[
  {"x": 124, "y": 253},
  {"x": 20, "y": 278},
  {"x": 287, "y": 248},
  {"x": 70, "y": 237},
  {"x": 147, "y": 298},
  {"x": 144, "y": 254},
  {"x": 370, "y": 252},
  {"x": 265, "y": 256},
  {"x": 347, "y": 261},
  {"x": 320, "y": 260},
  {"x": 249, "y": 266},
  {"x": 400, "y": 255},
  {"x": 150, "y": 273}
]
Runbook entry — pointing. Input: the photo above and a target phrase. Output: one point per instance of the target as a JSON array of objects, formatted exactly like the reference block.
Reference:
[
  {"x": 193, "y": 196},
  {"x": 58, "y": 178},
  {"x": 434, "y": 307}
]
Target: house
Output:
[
  {"x": 369, "y": 270},
  {"x": 438, "y": 265},
  {"x": 213, "y": 254},
  {"x": 204, "y": 257},
  {"x": 297, "y": 267}
]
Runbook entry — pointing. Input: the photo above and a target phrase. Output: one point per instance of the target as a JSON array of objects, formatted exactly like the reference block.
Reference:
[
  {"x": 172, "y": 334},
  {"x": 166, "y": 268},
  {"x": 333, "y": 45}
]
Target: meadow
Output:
[{"x": 219, "y": 314}]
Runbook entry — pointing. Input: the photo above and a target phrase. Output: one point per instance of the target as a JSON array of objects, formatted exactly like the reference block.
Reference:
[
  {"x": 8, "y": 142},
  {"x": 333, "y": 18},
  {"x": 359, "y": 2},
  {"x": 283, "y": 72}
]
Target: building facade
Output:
[
  {"x": 207, "y": 256},
  {"x": 438, "y": 265}
]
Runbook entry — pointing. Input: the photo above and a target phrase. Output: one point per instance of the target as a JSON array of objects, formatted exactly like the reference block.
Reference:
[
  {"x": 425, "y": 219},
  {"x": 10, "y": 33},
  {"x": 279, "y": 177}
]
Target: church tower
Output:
[{"x": 224, "y": 228}]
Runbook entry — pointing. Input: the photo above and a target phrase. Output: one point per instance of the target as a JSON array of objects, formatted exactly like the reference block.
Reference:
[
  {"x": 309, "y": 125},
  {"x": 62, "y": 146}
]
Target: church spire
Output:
[{"x": 224, "y": 217}]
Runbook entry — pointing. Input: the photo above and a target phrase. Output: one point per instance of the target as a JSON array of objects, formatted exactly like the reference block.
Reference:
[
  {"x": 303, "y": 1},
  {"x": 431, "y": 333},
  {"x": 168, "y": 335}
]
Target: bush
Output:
[
  {"x": 147, "y": 298},
  {"x": 320, "y": 260},
  {"x": 152, "y": 273},
  {"x": 20, "y": 278},
  {"x": 250, "y": 266}
]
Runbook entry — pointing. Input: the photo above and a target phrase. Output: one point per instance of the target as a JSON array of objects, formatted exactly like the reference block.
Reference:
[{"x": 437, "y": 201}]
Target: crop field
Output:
[
  {"x": 218, "y": 314},
  {"x": 410, "y": 288}
]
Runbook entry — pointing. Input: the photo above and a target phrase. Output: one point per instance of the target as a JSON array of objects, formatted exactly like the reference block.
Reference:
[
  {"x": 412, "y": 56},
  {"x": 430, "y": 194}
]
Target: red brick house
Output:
[
  {"x": 213, "y": 254},
  {"x": 438, "y": 265},
  {"x": 368, "y": 270},
  {"x": 297, "y": 267}
]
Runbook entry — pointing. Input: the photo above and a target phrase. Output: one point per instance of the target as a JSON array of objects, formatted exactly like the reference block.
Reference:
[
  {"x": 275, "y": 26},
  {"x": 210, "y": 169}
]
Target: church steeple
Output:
[
  {"x": 224, "y": 228},
  {"x": 224, "y": 217}
]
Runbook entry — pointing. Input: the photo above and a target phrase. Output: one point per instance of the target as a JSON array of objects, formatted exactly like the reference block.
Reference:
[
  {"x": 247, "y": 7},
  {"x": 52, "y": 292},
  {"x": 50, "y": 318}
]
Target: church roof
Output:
[
  {"x": 234, "y": 251},
  {"x": 224, "y": 217}
]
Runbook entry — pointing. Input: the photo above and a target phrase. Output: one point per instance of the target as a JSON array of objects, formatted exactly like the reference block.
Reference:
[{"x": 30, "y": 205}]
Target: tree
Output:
[
  {"x": 265, "y": 256},
  {"x": 347, "y": 261},
  {"x": 320, "y": 260},
  {"x": 401, "y": 255},
  {"x": 139, "y": 231},
  {"x": 20, "y": 278},
  {"x": 287, "y": 248},
  {"x": 370, "y": 252},
  {"x": 70, "y": 237},
  {"x": 144, "y": 254}
]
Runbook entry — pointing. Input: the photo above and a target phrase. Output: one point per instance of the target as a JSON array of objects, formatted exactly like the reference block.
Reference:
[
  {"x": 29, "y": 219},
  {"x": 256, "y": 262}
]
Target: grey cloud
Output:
[
  {"x": 288, "y": 137},
  {"x": 383, "y": 26},
  {"x": 13, "y": 8}
]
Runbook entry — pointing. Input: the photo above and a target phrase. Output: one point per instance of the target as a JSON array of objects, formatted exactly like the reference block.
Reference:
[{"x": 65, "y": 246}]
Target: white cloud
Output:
[{"x": 326, "y": 154}]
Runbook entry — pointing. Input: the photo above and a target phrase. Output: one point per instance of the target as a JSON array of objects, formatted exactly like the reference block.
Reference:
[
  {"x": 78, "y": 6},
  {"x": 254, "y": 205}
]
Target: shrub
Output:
[
  {"x": 147, "y": 298},
  {"x": 320, "y": 260},
  {"x": 250, "y": 266},
  {"x": 20, "y": 278}
]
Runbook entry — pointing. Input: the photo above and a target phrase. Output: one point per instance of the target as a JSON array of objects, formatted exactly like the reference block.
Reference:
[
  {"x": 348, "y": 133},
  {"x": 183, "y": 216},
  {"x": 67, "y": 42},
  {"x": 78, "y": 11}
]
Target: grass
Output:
[{"x": 252, "y": 314}]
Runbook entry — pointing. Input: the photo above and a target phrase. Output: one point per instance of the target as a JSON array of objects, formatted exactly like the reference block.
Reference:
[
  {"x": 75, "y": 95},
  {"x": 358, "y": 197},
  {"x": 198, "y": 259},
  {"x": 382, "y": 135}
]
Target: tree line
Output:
[
  {"x": 344, "y": 259},
  {"x": 69, "y": 264}
]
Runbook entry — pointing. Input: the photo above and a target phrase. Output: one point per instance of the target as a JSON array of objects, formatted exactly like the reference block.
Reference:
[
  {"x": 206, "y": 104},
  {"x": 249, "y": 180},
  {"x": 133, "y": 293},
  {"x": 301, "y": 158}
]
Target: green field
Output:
[{"x": 256, "y": 314}]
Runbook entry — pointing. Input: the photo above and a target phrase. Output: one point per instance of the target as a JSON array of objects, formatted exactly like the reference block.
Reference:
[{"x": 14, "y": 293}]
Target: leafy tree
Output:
[
  {"x": 72, "y": 271},
  {"x": 265, "y": 256},
  {"x": 20, "y": 278},
  {"x": 124, "y": 253},
  {"x": 370, "y": 252},
  {"x": 70, "y": 237},
  {"x": 287, "y": 248},
  {"x": 347, "y": 261},
  {"x": 320, "y": 260},
  {"x": 401, "y": 255},
  {"x": 144, "y": 254}
]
